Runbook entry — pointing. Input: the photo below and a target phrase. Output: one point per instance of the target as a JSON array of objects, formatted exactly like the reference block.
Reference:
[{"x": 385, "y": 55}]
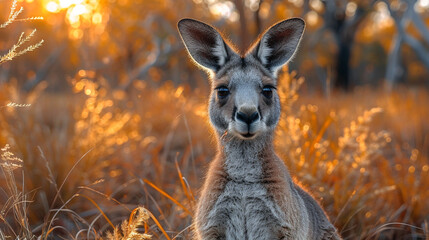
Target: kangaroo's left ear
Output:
[{"x": 279, "y": 43}]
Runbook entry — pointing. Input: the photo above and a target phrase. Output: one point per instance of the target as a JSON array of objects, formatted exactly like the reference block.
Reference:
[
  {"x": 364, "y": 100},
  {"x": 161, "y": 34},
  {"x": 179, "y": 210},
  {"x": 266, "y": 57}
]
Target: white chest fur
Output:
[{"x": 245, "y": 210}]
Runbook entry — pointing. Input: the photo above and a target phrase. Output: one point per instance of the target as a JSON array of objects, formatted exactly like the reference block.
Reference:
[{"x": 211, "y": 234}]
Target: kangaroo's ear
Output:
[
  {"x": 279, "y": 43},
  {"x": 204, "y": 44}
]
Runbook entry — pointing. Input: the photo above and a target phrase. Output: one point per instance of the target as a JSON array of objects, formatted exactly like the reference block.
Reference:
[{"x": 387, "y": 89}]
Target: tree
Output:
[
  {"x": 402, "y": 19},
  {"x": 344, "y": 29}
]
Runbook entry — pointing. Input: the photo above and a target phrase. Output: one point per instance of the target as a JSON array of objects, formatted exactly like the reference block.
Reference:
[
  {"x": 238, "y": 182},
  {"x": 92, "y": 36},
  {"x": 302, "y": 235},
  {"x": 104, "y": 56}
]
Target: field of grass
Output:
[{"x": 98, "y": 160}]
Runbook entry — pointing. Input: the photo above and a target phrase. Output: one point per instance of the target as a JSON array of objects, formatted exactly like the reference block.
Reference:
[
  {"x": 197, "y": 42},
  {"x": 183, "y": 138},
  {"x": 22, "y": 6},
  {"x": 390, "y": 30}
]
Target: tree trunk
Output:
[
  {"x": 343, "y": 65},
  {"x": 344, "y": 30},
  {"x": 239, "y": 4},
  {"x": 258, "y": 19}
]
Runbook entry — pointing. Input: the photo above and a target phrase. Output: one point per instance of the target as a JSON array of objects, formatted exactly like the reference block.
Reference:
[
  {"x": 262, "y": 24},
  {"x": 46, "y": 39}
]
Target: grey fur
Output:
[{"x": 248, "y": 192}]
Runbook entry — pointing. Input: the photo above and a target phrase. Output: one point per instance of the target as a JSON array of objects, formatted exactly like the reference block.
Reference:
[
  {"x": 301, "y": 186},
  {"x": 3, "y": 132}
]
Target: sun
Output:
[
  {"x": 77, "y": 10},
  {"x": 79, "y": 14},
  {"x": 58, "y": 5}
]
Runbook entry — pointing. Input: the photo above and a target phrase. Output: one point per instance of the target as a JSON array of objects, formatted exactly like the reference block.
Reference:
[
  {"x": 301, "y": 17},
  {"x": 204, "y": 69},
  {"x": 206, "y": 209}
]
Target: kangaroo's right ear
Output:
[{"x": 204, "y": 44}]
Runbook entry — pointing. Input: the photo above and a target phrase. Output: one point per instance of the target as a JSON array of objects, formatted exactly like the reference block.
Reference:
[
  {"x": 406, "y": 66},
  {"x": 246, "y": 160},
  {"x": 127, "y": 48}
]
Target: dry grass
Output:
[
  {"x": 77, "y": 165},
  {"x": 16, "y": 49},
  {"x": 94, "y": 155}
]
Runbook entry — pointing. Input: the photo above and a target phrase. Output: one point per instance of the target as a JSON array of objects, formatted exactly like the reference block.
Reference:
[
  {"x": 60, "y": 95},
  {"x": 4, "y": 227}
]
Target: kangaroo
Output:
[{"x": 248, "y": 192}]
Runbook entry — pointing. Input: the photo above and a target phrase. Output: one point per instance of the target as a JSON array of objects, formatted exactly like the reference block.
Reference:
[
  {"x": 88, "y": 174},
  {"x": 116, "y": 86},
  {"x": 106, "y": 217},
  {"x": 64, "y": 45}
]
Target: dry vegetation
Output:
[
  {"x": 101, "y": 162},
  {"x": 94, "y": 155},
  {"x": 16, "y": 50}
]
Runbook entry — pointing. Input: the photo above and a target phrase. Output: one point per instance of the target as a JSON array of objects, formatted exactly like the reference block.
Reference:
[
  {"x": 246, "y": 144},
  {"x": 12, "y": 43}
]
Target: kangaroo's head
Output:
[{"x": 244, "y": 101}]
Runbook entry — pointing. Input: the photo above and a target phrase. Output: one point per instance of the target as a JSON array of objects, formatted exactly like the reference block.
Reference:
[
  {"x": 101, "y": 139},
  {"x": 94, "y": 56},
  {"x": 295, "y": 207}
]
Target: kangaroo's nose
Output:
[{"x": 246, "y": 117}]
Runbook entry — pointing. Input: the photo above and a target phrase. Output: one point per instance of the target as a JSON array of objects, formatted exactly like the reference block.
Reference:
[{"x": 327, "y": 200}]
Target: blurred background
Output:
[
  {"x": 346, "y": 43},
  {"x": 116, "y": 115}
]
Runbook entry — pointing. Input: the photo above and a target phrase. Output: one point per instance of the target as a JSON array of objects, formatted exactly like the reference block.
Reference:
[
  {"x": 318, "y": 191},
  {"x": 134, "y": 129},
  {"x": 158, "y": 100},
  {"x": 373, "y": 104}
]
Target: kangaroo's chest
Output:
[{"x": 246, "y": 211}]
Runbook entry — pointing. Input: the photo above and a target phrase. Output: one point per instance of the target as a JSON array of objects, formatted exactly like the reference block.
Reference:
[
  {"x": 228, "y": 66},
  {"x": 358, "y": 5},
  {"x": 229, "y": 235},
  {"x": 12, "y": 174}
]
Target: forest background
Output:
[{"x": 104, "y": 112}]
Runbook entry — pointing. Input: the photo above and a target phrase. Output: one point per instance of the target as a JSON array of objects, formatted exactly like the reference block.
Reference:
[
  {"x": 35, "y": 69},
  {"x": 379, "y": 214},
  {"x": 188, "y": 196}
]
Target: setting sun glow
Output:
[
  {"x": 57, "y": 5},
  {"x": 80, "y": 14},
  {"x": 52, "y": 7}
]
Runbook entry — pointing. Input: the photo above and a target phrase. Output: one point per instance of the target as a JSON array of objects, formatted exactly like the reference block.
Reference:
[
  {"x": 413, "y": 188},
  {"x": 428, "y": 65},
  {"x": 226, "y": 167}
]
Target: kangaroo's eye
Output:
[
  {"x": 267, "y": 91},
  {"x": 222, "y": 92}
]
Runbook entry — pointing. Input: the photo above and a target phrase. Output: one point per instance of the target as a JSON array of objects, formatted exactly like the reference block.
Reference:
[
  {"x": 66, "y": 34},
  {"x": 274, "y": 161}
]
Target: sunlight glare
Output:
[
  {"x": 421, "y": 6},
  {"x": 76, "y": 34},
  {"x": 73, "y": 14},
  {"x": 68, "y": 3},
  {"x": 382, "y": 20},
  {"x": 97, "y": 18},
  {"x": 351, "y": 9},
  {"x": 80, "y": 13},
  {"x": 253, "y": 5},
  {"x": 423, "y": 3},
  {"x": 297, "y": 3},
  {"x": 317, "y": 5},
  {"x": 52, "y": 7},
  {"x": 383, "y": 16},
  {"x": 222, "y": 9},
  {"x": 312, "y": 18}
]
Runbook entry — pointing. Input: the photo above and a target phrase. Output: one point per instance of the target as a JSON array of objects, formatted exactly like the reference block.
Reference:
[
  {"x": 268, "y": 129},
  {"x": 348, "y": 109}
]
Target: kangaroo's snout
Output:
[
  {"x": 248, "y": 117},
  {"x": 247, "y": 122}
]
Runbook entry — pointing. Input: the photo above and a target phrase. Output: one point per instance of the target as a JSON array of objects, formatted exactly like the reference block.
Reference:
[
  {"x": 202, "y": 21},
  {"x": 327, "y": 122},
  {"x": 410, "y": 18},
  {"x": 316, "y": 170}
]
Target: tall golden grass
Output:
[
  {"x": 99, "y": 162},
  {"x": 97, "y": 156}
]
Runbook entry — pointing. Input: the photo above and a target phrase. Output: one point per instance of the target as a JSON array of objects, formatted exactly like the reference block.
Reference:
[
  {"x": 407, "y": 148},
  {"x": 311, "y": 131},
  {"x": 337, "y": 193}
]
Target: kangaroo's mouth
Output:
[
  {"x": 244, "y": 131},
  {"x": 248, "y": 135}
]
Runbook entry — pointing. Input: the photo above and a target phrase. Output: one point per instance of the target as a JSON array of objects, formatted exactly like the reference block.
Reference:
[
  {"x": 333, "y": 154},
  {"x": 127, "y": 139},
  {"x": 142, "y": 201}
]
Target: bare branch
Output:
[
  {"x": 157, "y": 57},
  {"x": 401, "y": 37},
  {"x": 418, "y": 22},
  {"x": 418, "y": 47}
]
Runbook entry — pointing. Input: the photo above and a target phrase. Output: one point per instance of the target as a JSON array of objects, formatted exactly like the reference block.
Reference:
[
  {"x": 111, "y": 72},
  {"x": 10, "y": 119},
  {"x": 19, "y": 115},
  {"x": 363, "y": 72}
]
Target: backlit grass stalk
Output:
[
  {"x": 16, "y": 50},
  {"x": 17, "y": 202},
  {"x": 131, "y": 229}
]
